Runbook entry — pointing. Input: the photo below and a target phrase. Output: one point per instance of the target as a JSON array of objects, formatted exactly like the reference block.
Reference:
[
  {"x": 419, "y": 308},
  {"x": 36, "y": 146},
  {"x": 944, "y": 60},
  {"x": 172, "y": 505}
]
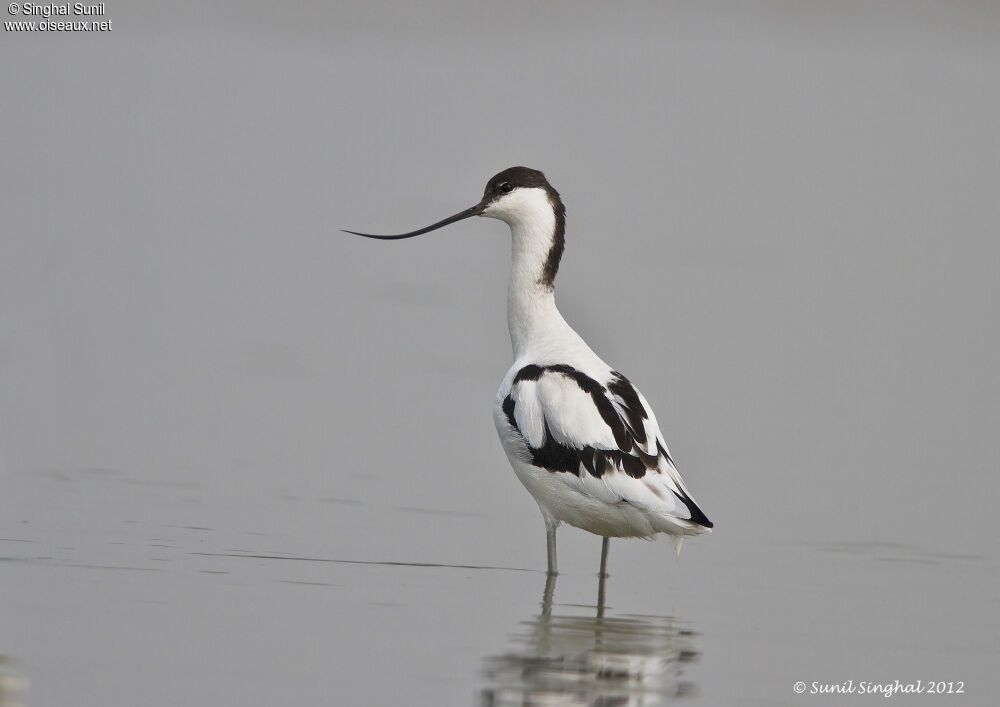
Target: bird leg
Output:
[
  {"x": 550, "y": 543},
  {"x": 602, "y": 578}
]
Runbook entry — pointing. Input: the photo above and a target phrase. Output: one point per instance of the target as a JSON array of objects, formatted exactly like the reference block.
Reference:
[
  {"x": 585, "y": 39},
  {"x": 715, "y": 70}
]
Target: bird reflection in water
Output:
[{"x": 598, "y": 661}]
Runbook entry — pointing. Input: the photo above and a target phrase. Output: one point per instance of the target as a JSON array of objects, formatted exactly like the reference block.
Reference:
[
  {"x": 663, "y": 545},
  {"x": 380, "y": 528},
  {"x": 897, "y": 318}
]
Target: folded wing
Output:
[{"x": 603, "y": 433}]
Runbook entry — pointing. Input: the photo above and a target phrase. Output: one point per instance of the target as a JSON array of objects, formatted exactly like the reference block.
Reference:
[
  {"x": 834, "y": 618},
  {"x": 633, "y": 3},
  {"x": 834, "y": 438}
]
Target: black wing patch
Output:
[
  {"x": 627, "y": 428},
  {"x": 628, "y": 400}
]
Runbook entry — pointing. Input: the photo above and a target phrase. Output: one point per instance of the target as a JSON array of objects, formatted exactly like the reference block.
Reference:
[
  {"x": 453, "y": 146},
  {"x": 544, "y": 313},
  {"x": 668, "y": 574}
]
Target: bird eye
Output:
[{"x": 506, "y": 188}]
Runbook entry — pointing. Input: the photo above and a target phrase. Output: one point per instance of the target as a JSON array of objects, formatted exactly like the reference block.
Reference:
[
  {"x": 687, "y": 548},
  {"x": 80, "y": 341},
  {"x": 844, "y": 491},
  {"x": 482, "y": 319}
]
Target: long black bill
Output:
[{"x": 472, "y": 211}]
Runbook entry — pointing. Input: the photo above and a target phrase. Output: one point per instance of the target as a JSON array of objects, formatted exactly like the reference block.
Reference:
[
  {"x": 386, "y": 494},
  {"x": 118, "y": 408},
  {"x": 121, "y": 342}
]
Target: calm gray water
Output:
[{"x": 247, "y": 459}]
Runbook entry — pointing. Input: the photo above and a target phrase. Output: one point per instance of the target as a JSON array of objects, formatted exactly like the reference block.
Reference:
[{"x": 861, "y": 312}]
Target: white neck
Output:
[
  {"x": 531, "y": 306},
  {"x": 532, "y": 317}
]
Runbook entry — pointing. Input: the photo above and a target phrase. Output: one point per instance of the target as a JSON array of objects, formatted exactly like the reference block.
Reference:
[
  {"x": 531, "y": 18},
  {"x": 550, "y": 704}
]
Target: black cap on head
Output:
[{"x": 517, "y": 177}]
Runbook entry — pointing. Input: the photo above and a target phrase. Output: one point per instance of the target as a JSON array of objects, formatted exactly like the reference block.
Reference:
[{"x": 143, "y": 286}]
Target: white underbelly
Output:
[{"x": 561, "y": 498}]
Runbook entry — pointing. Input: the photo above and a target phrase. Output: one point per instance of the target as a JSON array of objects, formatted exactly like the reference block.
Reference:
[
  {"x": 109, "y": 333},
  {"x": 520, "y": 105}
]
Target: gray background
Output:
[{"x": 782, "y": 225}]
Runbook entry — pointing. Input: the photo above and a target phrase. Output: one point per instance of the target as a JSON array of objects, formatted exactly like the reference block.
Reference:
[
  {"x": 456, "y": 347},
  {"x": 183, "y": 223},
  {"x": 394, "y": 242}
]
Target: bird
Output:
[{"x": 578, "y": 434}]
